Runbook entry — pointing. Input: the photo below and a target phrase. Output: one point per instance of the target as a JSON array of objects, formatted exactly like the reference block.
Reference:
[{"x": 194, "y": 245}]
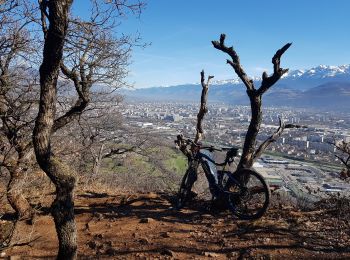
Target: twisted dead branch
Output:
[{"x": 250, "y": 151}]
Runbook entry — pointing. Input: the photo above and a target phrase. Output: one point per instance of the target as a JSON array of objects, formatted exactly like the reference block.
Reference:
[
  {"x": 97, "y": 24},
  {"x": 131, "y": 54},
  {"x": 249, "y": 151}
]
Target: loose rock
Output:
[
  {"x": 210, "y": 254},
  {"x": 165, "y": 234},
  {"x": 144, "y": 241},
  {"x": 168, "y": 252},
  {"x": 146, "y": 220}
]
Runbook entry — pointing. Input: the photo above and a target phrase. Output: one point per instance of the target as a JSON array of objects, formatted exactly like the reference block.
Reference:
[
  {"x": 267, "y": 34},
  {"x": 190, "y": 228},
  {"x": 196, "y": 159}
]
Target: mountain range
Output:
[{"x": 322, "y": 87}]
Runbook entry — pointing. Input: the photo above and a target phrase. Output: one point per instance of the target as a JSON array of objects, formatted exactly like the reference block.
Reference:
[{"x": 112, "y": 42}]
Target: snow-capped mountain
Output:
[
  {"x": 320, "y": 72},
  {"x": 309, "y": 78},
  {"x": 232, "y": 81},
  {"x": 332, "y": 73},
  {"x": 326, "y": 86}
]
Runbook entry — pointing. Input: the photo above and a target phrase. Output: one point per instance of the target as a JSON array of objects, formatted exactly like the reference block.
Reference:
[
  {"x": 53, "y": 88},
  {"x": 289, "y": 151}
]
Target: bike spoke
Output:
[{"x": 252, "y": 198}]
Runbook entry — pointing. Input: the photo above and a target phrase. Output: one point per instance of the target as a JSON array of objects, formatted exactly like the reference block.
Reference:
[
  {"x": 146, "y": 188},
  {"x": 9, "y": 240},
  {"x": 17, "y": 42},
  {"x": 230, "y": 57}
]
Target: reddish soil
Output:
[{"x": 144, "y": 226}]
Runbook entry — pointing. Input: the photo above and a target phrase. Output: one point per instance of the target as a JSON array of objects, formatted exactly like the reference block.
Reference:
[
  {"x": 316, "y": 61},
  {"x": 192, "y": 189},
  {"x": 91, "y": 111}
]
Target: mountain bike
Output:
[{"x": 244, "y": 191}]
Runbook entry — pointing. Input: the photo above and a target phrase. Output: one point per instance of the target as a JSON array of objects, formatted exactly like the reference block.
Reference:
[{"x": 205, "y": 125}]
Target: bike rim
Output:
[{"x": 251, "y": 200}]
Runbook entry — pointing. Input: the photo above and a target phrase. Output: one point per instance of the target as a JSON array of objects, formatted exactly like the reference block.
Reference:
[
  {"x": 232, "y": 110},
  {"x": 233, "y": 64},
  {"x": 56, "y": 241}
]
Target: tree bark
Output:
[
  {"x": 14, "y": 194},
  {"x": 62, "y": 209},
  {"x": 203, "y": 109},
  {"x": 253, "y": 130},
  {"x": 97, "y": 162},
  {"x": 14, "y": 191}
]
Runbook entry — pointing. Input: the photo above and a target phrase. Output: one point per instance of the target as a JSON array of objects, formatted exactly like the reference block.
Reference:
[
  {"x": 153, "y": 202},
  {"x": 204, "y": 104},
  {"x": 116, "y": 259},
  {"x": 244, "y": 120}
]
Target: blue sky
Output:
[{"x": 180, "y": 33}]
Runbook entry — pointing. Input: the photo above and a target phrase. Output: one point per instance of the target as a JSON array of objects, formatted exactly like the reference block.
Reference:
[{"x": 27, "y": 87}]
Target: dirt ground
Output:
[{"x": 144, "y": 226}]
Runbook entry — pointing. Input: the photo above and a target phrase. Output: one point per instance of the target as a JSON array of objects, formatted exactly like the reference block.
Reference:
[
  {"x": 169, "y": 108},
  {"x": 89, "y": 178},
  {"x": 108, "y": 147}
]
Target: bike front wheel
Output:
[
  {"x": 248, "y": 194},
  {"x": 185, "y": 193}
]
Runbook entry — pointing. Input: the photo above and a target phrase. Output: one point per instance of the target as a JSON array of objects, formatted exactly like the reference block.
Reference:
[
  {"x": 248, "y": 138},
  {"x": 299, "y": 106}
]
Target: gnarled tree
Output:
[
  {"x": 88, "y": 54},
  {"x": 250, "y": 151},
  {"x": 63, "y": 179},
  {"x": 18, "y": 95}
]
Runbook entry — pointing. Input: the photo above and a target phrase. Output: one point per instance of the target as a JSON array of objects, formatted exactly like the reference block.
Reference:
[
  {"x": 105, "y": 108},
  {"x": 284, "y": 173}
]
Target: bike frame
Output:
[
  {"x": 205, "y": 158},
  {"x": 236, "y": 188}
]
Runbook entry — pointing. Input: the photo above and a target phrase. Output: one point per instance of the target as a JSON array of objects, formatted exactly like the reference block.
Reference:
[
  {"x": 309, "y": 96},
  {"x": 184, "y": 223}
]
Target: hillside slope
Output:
[{"x": 143, "y": 226}]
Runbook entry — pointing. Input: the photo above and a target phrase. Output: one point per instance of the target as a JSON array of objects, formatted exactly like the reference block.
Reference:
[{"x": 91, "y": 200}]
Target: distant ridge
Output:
[{"x": 326, "y": 87}]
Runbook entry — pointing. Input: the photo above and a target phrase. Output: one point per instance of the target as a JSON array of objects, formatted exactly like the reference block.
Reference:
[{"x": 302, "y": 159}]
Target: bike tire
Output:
[
  {"x": 247, "y": 199},
  {"x": 185, "y": 194}
]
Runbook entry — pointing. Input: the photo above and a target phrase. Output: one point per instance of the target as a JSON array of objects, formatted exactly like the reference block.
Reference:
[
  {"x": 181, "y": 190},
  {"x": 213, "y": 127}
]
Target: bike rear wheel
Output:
[
  {"x": 248, "y": 194},
  {"x": 185, "y": 194}
]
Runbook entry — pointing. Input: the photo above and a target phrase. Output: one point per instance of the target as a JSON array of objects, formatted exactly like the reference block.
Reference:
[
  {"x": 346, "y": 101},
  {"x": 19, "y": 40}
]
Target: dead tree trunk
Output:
[
  {"x": 181, "y": 143},
  {"x": 189, "y": 152},
  {"x": 255, "y": 96},
  {"x": 203, "y": 109},
  {"x": 62, "y": 208}
]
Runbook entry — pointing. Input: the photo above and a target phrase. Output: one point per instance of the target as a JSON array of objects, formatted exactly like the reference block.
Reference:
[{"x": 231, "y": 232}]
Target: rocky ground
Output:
[{"x": 144, "y": 226}]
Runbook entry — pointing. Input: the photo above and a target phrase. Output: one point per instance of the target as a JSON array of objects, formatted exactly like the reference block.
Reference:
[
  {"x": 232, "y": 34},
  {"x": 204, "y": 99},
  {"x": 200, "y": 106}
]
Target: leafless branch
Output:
[
  {"x": 123, "y": 6},
  {"x": 203, "y": 109},
  {"x": 94, "y": 57},
  {"x": 234, "y": 62},
  {"x": 7, "y": 5},
  {"x": 180, "y": 142},
  {"x": 255, "y": 96},
  {"x": 43, "y": 16},
  {"x": 262, "y": 147},
  {"x": 118, "y": 151},
  {"x": 344, "y": 161},
  {"x": 268, "y": 81}
]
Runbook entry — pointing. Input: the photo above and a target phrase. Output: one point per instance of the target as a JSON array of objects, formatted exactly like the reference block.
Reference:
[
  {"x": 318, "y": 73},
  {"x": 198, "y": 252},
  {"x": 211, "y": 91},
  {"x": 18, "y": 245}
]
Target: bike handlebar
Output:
[{"x": 231, "y": 151}]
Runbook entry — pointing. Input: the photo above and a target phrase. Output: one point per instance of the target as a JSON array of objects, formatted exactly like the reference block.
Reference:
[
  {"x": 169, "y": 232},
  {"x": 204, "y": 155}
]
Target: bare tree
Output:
[
  {"x": 93, "y": 56},
  {"x": 18, "y": 95},
  {"x": 344, "y": 156},
  {"x": 250, "y": 152},
  {"x": 64, "y": 180},
  {"x": 88, "y": 54}
]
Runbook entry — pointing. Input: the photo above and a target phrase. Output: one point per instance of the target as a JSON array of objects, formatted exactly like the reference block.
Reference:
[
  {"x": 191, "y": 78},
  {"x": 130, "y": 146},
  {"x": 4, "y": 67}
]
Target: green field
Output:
[
  {"x": 177, "y": 163},
  {"x": 154, "y": 160}
]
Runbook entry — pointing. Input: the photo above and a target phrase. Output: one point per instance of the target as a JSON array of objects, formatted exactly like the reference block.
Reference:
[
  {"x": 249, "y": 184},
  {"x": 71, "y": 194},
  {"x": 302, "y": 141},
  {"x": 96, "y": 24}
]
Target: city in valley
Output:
[{"x": 301, "y": 162}]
